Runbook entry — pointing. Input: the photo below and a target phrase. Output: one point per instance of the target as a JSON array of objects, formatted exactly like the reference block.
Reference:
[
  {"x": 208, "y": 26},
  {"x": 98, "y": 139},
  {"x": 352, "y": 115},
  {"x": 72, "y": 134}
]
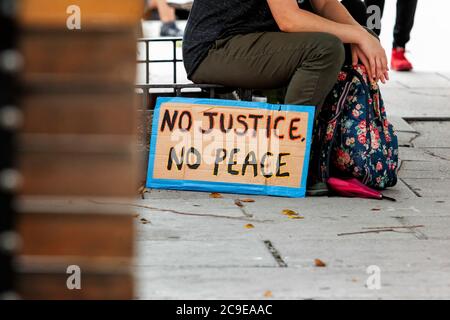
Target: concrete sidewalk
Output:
[{"x": 191, "y": 246}]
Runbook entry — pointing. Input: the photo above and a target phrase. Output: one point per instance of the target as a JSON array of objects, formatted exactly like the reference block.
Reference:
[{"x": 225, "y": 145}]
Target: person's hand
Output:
[
  {"x": 359, "y": 56},
  {"x": 370, "y": 52}
]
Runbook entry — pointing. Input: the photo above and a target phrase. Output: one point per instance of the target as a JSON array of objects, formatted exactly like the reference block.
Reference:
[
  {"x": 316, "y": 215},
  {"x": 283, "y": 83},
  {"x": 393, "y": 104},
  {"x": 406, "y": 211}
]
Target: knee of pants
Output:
[{"x": 331, "y": 49}]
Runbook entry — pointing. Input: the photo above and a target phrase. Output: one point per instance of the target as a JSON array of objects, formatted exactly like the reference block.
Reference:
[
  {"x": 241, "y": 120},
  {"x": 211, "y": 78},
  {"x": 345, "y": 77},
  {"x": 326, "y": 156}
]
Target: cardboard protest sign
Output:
[{"x": 230, "y": 146}]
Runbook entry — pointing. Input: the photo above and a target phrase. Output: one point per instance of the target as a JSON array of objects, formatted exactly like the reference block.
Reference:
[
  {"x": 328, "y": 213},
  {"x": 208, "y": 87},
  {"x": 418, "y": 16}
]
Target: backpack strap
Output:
[
  {"x": 368, "y": 93},
  {"x": 324, "y": 148}
]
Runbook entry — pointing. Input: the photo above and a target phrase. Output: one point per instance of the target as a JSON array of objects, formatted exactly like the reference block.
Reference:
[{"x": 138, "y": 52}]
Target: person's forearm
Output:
[
  {"x": 309, "y": 22},
  {"x": 334, "y": 10},
  {"x": 290, "y": 18}
]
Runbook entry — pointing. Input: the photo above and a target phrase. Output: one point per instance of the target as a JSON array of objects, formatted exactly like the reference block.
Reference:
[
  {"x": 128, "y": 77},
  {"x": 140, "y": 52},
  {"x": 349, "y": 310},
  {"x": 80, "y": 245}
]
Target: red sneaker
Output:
[{"x": 399, "y": 61}]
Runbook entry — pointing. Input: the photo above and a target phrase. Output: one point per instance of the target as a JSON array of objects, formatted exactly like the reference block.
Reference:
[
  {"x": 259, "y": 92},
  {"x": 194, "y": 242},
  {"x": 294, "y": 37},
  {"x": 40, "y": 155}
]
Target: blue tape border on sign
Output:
[{"x": 225, "y": 187}]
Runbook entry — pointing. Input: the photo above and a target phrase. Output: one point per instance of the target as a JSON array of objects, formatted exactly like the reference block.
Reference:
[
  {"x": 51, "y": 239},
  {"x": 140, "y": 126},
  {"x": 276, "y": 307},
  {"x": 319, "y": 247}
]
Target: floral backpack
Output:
[{"x": 355, "y": 139}]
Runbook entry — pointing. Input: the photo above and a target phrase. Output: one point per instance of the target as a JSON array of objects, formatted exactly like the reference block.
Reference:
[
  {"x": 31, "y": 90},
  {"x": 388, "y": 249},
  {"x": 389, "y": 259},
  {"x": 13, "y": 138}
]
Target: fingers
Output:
[
  {"x": 374, "y": 60},
  {"x": 381, "y": 70},
  {"x": 355, "y": 58},
  {"x": 385, "y": 62},
  {"x": 365, "y": 62},
  {"x": 373, "y": 68},
  {"x": 386, "y": 68},
  {"x": 378, "y": 65}
]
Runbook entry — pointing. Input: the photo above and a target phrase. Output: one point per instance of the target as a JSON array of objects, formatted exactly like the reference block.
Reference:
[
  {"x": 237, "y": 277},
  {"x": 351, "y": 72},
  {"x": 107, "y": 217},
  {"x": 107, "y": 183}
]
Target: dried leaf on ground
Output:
[
  {"x": 249, "y": 226},
  {"x": 288, "y": 212},
  {"x": 238, "y": 203},
  {"x": 319, "y": 263},
  {"x": 215, "y": 195},
  {"x": 247, "y": 200},
  {"x": 291, "y": 214}
]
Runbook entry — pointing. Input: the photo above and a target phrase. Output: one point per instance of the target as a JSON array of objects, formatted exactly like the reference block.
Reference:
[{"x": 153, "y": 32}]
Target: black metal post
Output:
[
  {"x": 10, "y": 115},
  {"x": 147, "y": 64}
]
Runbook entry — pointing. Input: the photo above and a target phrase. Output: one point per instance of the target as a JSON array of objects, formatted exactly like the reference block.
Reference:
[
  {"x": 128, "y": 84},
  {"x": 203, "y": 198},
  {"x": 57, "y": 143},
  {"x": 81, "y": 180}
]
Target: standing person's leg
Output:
[
  {"x": 406, "y": 11},
  {"x": 306, "y": 63},
  {"x": 380, "y": 4},
  {"x": 166, "y": 13},
  {"x": 151, "y": 4},
  {"x": 167, "y": 17}
]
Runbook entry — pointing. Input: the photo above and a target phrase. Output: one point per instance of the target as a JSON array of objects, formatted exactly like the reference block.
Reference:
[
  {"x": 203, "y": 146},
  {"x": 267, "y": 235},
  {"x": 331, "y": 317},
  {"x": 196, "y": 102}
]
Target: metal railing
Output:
[
  {"x": 150, "y": 90},
  {"x": 148, "y": 61}
]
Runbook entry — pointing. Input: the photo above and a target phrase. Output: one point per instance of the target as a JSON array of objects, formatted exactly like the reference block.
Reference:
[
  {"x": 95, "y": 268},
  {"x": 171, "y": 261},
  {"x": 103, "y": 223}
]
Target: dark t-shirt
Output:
[{"x": 211, "y": 20}]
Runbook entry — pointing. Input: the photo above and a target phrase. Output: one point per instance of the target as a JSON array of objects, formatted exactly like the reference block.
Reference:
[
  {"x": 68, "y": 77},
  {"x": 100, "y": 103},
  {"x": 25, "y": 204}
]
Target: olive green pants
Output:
[{"x": 307, "y": 64}]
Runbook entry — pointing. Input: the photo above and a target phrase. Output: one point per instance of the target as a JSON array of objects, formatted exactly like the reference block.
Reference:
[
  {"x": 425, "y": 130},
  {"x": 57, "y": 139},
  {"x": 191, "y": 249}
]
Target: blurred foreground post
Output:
[
  {"x": 9, "y": 122},
  {"x": 77, "y": 148}
]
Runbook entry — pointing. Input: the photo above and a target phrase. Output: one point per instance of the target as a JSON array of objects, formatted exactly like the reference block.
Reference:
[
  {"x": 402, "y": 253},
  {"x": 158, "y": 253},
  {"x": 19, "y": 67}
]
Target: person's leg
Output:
[
  {"x": 166, "y": 13},
  {"x": 380, "y": 4},
  {"x": 406, "y": 11},
  {"x": 167, "y": 17},
  {"x": 151, "y": 4},
  {"x": 306, "y": 63}
]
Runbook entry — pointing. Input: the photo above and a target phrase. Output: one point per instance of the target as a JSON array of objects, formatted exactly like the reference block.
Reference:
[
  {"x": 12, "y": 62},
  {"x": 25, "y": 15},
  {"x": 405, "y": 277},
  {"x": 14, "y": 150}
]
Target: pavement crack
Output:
[
  {"x": 417, "y": 233},
  {"x": 401, "y": 227},
  {"x": 434, "y": 155},
  {"x": 365, "y": 232},
  {"x": 180, "y": 212},
  {"x": 411, "y": 141},
  {"x": 443, "y": 76},
  {"x": 429, "y": 94},
  {"x": 275, "y": 254},
  {"x": 377, "y": 230},
  {"x": 411, "y": 188}
]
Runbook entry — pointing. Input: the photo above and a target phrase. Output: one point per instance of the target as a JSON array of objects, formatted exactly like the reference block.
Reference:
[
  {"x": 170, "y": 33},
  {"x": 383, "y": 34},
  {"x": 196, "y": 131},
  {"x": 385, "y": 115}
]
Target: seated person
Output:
[{"x": 270, "y": 44}]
